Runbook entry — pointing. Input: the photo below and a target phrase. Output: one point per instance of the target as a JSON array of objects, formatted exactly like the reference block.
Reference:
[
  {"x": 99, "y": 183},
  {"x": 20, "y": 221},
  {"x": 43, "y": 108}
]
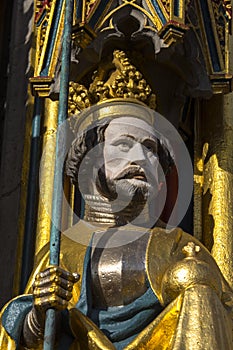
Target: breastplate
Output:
[{"x": 118, "y": 274}]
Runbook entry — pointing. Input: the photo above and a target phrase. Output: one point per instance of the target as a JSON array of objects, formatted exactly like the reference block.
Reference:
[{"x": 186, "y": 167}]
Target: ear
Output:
[{"x": 160, "y": 185}]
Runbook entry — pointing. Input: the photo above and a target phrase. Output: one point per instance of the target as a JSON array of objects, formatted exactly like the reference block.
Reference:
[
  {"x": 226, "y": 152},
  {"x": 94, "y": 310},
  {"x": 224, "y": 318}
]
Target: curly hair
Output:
[
  {"x": 96, "y": 135},
  {"x": 80, "y": 147}
]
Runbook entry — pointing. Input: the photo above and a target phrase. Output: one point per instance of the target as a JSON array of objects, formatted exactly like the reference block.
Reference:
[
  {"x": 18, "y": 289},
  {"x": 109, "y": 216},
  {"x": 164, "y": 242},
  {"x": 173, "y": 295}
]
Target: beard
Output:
[
  {"x": 126, "y": 189},
  {"x": 130, "y": 196},
  {"x": 130, "y": 188}
]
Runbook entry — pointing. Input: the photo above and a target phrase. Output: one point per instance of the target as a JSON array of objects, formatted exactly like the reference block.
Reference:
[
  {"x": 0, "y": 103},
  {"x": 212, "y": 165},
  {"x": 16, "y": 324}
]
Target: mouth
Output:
[
  {"x": 140, "y": 177},
  {"x": 133, "y": 172}
]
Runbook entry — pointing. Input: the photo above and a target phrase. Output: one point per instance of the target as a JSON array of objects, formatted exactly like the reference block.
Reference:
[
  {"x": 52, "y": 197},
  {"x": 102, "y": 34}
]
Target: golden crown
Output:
[
  {"x": 115, "y": 79},
  {"x": 113, "y": 108}
]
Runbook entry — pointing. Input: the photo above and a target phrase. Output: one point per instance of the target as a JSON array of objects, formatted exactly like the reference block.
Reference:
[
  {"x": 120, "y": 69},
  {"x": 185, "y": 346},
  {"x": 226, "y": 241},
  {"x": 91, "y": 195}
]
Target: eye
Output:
[
  {"x": 151, "y": 146},
  {"x": 123, "y": 145}
]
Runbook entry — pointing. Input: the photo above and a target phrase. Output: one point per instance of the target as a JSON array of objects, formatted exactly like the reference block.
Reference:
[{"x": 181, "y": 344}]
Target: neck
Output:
[{"x": 99, "y": 210}]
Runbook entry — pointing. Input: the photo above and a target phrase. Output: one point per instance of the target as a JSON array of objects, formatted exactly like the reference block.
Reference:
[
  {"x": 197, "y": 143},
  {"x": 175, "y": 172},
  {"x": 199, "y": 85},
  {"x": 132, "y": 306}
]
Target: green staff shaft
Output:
[{"x": 50, "y": 324}]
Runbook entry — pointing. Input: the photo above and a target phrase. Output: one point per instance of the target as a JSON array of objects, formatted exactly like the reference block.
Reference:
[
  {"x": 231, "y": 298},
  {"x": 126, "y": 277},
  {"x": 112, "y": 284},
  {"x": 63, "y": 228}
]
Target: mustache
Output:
[{"x": 130, "y": 172}]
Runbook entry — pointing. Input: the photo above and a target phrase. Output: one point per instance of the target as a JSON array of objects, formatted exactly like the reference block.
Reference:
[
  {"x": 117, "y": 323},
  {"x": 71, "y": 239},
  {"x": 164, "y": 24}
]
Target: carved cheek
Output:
[
  {"x": 114, "y": 160},
  {"x": 152, "y": 165}
]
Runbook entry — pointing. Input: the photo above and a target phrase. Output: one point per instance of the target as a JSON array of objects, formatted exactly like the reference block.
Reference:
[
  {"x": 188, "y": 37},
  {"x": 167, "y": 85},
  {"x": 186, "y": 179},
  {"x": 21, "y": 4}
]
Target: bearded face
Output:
[{"x": 130, "y": 159}]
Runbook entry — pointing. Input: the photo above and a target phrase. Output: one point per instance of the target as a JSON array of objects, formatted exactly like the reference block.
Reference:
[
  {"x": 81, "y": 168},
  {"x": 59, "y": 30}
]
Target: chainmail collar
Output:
[{"x": 99, "y": 210}]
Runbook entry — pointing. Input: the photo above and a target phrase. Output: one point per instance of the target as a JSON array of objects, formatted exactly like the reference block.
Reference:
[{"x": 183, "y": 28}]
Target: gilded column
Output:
[
  {"x": 46, "y": 173},
  {"x": 217, "y": 138}
]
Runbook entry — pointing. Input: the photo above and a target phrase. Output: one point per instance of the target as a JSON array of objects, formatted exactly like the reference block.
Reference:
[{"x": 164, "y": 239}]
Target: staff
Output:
[{"x": 49, "y": 335}]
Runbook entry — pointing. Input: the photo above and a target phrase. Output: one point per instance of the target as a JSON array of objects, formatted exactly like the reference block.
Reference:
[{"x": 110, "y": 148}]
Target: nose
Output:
[{"x": 137, "y": 154}]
